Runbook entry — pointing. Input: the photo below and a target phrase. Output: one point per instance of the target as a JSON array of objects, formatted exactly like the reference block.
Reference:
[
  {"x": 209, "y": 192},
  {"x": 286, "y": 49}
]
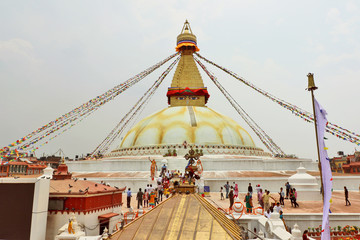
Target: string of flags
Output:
[
  {"x": 140, "y": 104},
  {"x": 30, "y": 142},
  {"x": 263, "y": 136},
  {"x": 331, "y": 128}
]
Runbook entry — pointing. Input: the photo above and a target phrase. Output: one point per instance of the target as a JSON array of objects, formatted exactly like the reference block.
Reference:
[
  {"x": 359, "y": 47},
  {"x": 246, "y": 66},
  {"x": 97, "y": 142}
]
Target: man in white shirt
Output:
[
  {"x": 277, "y": 208},
  {"x": 267, "y": 214},
  {"x": 159, "y": 180}
]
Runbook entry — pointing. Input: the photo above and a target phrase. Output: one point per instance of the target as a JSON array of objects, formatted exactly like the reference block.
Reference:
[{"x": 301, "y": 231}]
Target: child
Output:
[{"x": 221, "y": 194}]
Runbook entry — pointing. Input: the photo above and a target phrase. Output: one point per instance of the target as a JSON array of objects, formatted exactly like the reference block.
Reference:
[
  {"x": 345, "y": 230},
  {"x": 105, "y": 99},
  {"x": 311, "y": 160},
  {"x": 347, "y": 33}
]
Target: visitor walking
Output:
[
  {"x": 346, "y": 192},
  {"x": 221, "y": 193},
  {"x": 128, "y": 198},
  {"x": 266, "y": 199},
  {"x": 231, "y": 197},
  {"x": 139, "y": 198},
  {"x": 282, "y": 196},
  {"x": 248, "y": 202},
  {"x": 288, "y": 187},
  {"x": 227, "y": 188}
]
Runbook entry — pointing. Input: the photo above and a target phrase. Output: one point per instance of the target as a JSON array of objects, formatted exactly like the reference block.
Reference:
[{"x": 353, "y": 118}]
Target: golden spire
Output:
[{"x": 187, "y": 87}]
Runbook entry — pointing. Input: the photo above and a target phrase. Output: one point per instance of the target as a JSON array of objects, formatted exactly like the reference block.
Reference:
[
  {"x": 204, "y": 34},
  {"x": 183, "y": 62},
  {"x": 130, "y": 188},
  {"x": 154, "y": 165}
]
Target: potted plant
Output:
[
  {"x": 317, "y": 231},
  {"x": 339, "y": 230},
  {"x": 312, "y": 231}
]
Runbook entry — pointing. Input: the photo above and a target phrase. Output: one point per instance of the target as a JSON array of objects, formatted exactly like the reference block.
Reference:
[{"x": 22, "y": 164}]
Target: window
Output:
[{"x": 56, "y": 204}]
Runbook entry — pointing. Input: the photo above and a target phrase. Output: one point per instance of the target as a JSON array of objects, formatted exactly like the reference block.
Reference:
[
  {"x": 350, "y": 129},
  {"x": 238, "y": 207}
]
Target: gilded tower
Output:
[
  {"x": 187, "y": 119},
  {"x": 187, "y": 87}
]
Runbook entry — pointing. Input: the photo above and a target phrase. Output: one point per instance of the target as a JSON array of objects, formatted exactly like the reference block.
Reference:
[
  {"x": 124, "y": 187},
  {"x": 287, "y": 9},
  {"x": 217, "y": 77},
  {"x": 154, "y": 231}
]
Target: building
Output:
[
  {"x": 21, "y": 166},
  {"x": 345, "y": 163},
  {"x": 352, "y": 164},
  {"x": 95, "y": 206}
]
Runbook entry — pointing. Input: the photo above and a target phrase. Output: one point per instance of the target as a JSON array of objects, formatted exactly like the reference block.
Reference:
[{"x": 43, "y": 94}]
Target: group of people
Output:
[
  {"x": 152, "y": 195},
  {"x": 263, "y": 197},
  {"x": 291, "y": 194}
]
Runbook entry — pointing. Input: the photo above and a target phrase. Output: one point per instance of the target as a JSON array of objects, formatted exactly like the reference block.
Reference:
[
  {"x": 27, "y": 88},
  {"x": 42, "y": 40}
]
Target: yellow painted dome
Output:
[{"x": 195, "y": 125}]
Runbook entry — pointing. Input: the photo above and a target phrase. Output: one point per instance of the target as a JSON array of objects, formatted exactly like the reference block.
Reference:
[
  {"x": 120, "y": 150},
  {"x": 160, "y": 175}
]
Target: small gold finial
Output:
[
  {"x": 311, "y": 82},
  {"x": 63, "y": 160}
]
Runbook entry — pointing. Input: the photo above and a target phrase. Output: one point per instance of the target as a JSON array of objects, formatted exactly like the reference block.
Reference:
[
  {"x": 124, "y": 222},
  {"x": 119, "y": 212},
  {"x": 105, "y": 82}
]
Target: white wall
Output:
[
  {"x": 89, "y": 220},
  {"x": 210, "y": 163},
  {"x": 40, "y": 204}
]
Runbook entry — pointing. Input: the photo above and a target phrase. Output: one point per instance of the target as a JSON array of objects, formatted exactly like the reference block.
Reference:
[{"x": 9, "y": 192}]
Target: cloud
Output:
[
  {"x": 16, "y": 47},
  {"x": 342, "y": 24}
]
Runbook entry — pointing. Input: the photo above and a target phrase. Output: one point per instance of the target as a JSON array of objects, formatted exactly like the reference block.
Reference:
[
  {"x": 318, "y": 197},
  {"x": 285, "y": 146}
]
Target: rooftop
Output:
[
  {"x": 181, "y": 217},
  {"x": 62, "y": 187}
]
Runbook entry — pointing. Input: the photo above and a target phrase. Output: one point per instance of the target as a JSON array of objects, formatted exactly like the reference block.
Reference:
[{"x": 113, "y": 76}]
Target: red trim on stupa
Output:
[{"x": 188, "y": 92}]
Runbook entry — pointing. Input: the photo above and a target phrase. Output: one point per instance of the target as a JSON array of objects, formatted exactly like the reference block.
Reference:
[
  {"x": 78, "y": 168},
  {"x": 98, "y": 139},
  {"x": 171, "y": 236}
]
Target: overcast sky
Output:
[{"x": 56, "y": 55}]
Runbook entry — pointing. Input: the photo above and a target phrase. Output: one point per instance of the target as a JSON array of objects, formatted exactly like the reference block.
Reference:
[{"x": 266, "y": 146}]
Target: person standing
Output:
[
  {"x": 146, "y": 198},
  {"x": 291, "y": 196},
  {"x": 160, "y": 190},
  {"x": 247, "y": 199},
  {"x": 221, "y": 193},
  {"x": 305, "y": 237},
  {"x": 152, "y": 199},
  {"x": 139, "y": 197},
  {"x": 277, "y": 208},
  {"x": 260, "y": 198},
  {"x": 346, "y": 192},
  {"x": 295, "y": 198},
  {"x": 266, "y": 200},
  {"x": 236, "y": 191},
  {"x": 287, "y": 186},
  {"x": 282, "y": 196},
  {"x": 231, "y": 197},
  {"x": 128, "y": 198},
  {"x": 250, "y": 189},
  {"x": 227, "y": 188}
]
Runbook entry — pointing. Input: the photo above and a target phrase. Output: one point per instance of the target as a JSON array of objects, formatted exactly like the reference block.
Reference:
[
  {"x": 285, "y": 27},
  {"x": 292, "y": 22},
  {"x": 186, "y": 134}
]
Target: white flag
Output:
[{"x": 325, "y": 168}]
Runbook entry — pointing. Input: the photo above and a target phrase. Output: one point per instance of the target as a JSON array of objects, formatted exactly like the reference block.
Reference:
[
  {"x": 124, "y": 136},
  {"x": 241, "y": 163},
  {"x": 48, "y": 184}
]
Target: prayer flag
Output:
[{"x": 325, "y": 168}]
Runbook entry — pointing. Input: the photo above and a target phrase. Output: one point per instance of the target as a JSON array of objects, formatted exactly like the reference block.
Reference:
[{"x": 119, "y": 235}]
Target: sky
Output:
[{"x": 56, "y": 55}]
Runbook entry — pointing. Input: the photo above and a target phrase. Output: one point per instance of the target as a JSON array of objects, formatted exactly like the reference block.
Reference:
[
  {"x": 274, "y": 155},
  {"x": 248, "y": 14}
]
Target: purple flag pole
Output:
[
  {"x": 324, "y": 164},
  {"x": 325, "y": 169}
]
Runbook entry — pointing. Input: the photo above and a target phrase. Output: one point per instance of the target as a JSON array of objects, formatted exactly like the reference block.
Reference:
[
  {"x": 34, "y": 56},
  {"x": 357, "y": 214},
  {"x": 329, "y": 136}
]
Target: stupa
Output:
[
  {"x": 187, "y": 119},
  {"x": 228, "y": 150}
]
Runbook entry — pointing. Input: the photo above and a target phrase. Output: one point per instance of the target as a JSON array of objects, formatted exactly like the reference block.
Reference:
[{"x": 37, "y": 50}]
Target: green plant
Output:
[
  {"x": 339, "y": 228},
  {"x": 313, "y": 229}
]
